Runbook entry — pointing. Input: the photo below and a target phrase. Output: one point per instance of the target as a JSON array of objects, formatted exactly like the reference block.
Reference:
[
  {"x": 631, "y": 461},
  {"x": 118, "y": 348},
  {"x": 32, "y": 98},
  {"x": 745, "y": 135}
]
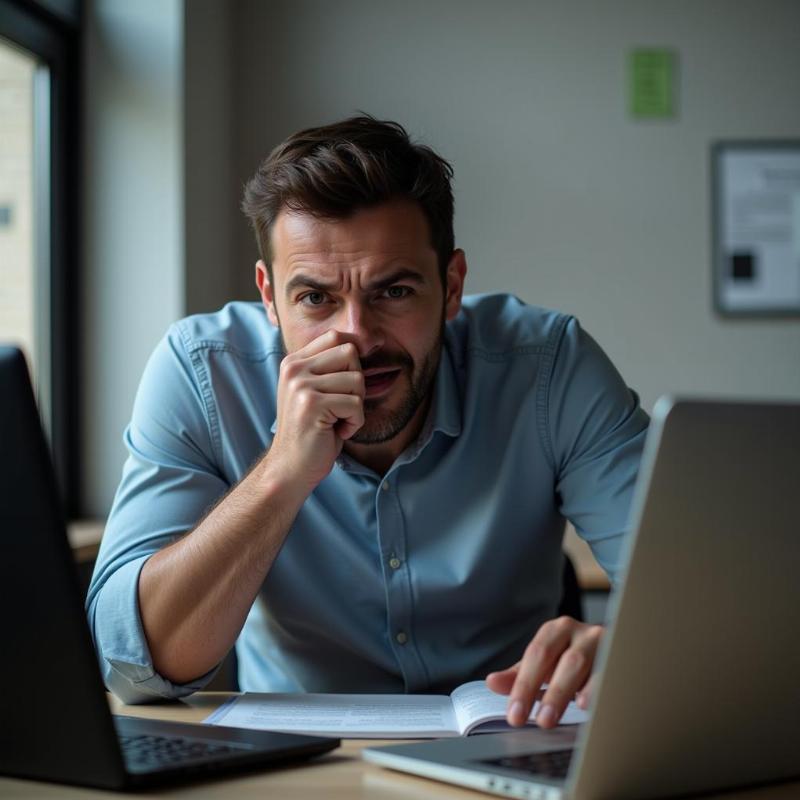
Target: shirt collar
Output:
[{"x": 445, "y": 412}]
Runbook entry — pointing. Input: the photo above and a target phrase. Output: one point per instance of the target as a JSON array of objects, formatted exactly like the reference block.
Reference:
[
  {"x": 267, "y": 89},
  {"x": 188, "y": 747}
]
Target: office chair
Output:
[{"x": 571, "y": 603}]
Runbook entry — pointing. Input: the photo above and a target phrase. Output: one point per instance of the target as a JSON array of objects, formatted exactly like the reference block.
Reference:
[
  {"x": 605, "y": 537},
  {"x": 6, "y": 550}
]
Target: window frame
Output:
[{"x": 51, "y": 31}]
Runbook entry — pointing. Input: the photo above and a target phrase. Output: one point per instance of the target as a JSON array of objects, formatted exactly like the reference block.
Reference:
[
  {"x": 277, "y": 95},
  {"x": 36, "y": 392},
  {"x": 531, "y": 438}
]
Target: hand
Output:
[
  {"x": 320, "y": 405},
  {"x": 561, "y": 654}
]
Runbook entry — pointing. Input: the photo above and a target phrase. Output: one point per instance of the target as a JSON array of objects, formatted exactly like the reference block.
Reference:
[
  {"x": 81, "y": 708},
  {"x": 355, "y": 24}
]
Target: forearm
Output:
[{"x": 195, "y": 594}]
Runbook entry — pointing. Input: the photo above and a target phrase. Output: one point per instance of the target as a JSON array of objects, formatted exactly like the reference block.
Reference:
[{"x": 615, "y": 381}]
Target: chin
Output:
[{"x": 378, "y": 432}]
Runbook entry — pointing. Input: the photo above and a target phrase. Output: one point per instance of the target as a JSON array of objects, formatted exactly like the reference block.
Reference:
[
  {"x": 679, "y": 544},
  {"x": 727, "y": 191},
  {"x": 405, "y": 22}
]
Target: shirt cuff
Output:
[{"x": 125, "y": 659}]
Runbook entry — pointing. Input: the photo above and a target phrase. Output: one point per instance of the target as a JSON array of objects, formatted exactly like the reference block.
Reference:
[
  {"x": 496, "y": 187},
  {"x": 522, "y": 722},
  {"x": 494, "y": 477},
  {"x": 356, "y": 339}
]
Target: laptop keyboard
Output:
[
  {"x": 144, "y": 753},
  {"x": 554, "y": 764}
]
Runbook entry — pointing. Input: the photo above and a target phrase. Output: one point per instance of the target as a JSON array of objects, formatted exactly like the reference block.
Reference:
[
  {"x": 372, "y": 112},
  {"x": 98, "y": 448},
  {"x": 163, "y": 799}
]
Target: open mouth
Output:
[{"x": 379, "y": 381}]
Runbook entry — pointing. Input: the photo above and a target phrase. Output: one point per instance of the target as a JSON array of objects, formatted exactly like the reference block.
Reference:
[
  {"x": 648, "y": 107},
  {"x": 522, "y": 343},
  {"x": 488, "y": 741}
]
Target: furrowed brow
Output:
[
  {"x": 301, "y": 281},
  {"x": 398, "y": 276},
  {"x": 307, "y": 282}
]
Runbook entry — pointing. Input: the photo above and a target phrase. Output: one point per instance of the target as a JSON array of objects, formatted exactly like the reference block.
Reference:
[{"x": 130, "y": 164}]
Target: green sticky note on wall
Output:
[{"x": 651, "y": 80}]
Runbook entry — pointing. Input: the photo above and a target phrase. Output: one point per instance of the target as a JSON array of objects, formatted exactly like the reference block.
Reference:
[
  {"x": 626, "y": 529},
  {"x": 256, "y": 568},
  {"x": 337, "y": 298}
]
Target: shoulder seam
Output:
[{"x": 204, "y": 384}]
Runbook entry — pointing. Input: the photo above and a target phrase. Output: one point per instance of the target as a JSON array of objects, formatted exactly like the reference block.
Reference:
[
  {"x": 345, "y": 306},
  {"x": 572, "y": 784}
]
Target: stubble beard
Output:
[{"x": 382, "y": 426}]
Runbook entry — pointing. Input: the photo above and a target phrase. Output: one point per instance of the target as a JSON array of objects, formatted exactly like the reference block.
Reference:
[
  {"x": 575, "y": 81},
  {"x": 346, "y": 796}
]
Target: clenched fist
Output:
[{"x": 320, "y": 406}]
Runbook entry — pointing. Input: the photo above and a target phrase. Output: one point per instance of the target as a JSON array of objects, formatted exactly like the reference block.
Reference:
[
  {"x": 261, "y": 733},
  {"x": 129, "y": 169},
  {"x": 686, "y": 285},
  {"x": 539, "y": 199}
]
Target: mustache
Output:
[{"x": 387, "y": 361}]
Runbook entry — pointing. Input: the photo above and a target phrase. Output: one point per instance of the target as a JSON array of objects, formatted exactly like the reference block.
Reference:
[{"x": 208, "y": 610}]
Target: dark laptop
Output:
[
  {"x": 698, "y": 684},
  {"x": 56, "y": 724}
]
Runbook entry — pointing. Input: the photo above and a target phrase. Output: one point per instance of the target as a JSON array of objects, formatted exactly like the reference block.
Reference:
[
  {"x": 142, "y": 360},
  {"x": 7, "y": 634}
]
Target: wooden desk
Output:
[
  {"x": 337, "y": 775},
  {"x": 84, "y": 538}
]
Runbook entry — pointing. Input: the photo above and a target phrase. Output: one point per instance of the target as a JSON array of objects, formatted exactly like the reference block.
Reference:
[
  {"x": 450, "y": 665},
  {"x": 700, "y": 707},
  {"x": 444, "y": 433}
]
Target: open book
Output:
[{"x": 470, "y": 708}]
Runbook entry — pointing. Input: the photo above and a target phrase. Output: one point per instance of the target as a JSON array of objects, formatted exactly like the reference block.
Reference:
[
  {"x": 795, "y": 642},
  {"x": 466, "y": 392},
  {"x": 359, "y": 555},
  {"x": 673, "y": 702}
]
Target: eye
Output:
[
  {"x": 313, "y": 298},
  {"x": 398, "y": 292}
]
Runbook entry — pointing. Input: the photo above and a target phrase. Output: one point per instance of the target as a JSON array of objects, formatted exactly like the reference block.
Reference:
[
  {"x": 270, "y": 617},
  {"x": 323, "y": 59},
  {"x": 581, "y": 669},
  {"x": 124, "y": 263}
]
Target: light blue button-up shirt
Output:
[{"x": 431, "y": 575}]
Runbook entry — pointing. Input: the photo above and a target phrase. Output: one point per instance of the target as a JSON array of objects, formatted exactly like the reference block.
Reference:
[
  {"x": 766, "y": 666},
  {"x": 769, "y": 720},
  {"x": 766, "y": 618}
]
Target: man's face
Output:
[{"x": 375, "y": 278}]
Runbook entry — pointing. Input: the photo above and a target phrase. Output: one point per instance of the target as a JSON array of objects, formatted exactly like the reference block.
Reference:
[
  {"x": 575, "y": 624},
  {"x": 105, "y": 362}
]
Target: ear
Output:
[
  {"x": 454, "y": 283},
  {"x": 265, "y": 290}
]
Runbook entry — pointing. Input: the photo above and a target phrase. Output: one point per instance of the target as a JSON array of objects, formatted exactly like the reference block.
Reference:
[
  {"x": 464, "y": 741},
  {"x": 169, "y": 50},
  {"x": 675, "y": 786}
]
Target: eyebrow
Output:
[{"x": 307, "y": 282}]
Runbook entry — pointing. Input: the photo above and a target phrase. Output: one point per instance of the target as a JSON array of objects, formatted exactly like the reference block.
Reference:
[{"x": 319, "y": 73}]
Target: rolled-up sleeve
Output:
[
  {"x": 597, "y": 430},
  {"x": 169, "y": 481}
]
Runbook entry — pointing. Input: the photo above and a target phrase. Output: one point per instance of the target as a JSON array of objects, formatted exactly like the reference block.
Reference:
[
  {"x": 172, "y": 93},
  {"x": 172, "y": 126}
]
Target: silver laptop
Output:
[{"x": 700, "y": 671}]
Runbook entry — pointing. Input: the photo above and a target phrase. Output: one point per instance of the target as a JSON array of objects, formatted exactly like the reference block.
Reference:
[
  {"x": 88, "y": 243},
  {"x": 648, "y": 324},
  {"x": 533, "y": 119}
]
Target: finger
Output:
[
  {"x": 349, "y": 382},
  {"x": 344, "y": 413},
  {"x": 569, "y": 677},
  {"x": 340, "y": 358},
  {"x": 501, "y": 681},
  {"x": 331, "y": 338},
  {"x": 585, "y": 695},
  {"x": 538, "y": 662}
]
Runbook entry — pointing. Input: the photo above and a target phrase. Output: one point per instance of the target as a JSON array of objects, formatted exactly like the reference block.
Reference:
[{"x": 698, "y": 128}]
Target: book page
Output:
[
  {"x": 475, "y": 702},
  {"x": 479, "y": 709},
  {"x": 355, "y": 716}
]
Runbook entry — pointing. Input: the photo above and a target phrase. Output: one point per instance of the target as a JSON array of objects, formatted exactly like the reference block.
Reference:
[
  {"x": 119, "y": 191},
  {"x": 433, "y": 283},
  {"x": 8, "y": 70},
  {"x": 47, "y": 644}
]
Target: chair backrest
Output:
[{"x": 571, "y": 603}]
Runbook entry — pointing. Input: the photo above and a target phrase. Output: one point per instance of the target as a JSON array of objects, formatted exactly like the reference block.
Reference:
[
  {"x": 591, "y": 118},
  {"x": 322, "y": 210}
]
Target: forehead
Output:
[{"x": 368, "y": 240}]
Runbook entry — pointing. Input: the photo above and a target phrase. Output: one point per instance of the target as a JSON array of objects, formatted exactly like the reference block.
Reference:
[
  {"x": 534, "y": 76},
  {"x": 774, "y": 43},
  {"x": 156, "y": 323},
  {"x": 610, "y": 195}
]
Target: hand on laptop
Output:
[{"x": 561, "y": 654}]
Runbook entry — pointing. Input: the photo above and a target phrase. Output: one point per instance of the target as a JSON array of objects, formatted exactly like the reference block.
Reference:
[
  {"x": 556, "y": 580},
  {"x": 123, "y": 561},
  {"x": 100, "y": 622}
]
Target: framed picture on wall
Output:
[{"x": 755, "y": 189}]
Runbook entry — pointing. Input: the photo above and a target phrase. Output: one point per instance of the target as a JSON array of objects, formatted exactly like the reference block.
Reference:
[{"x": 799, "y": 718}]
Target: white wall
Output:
[
  {"x": 133, "y": 277},
  {"x": 560, "y": 197},
  {"x": 211, "y": 194}
]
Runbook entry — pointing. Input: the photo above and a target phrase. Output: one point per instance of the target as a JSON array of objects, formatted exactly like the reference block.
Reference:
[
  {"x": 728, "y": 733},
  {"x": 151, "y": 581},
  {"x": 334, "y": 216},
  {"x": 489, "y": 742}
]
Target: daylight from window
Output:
[{"x": 17, "y": 272}]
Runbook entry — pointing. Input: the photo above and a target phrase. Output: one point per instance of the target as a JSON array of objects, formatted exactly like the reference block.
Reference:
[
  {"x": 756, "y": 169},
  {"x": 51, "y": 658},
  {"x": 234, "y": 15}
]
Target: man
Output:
[{"x": 364, "y": 487}]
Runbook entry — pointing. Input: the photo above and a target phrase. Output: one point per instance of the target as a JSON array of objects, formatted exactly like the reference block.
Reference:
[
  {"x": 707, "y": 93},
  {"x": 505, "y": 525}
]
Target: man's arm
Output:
[
  {"x": 595, "y": 435},
  {"x": 193, "y": 595}
]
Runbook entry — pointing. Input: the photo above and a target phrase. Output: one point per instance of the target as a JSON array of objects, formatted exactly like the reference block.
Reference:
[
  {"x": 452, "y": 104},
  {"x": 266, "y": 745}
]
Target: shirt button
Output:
[
  {"x": 394, "y": 562},
  {"x": 401, "y": 637},
  {"x": 385, "y": 486}
]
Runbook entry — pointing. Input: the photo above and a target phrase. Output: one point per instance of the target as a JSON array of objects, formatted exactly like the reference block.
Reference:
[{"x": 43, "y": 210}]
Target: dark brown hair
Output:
[{"x": 335, "y": 170}]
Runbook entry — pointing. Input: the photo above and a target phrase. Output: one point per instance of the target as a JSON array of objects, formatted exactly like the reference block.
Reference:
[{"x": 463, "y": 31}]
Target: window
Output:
[
  {"x": 19, "y": 72},
  {"x": 39, "y": 171}
]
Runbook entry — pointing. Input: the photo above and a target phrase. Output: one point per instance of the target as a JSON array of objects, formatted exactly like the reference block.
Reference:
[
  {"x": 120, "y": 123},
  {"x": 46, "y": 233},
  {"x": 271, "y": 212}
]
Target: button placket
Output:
[{"x": 392, "y": 542}]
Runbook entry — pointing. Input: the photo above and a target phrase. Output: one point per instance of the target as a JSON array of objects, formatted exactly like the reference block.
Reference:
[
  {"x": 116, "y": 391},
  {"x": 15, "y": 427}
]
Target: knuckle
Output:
[
  {"x": 575, "y": 660},
  {"x": 289, "y": 368},
  {"x": 537, "y": 650},
  {"x": 590, "y": 636},
  {"x": 563, "y": 624},
  {"x": 300, "y": 388},
  {"x": 303, "y": 399},
  {"x": 545, "y": 629},
  {"x": 557, "y": 695}
]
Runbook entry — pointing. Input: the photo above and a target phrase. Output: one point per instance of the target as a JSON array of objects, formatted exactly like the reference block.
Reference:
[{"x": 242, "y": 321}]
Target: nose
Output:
[{"x": 362, "y": 323}]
